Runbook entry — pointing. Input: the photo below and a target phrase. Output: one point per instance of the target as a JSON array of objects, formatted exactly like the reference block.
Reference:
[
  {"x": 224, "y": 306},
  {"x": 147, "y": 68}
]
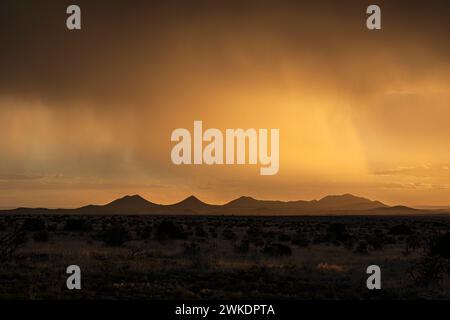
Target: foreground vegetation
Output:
[{"x": 201, "y": 257}]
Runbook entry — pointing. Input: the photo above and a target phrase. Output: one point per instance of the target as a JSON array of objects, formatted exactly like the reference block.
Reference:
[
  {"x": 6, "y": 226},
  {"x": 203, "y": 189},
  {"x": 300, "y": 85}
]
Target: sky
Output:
[{"x": 86, "y": 116}]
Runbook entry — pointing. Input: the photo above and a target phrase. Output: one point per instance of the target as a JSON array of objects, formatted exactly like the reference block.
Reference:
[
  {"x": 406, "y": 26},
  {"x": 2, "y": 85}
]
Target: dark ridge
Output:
[
  {"x": 334, "y": 204},
  {"x": 191, "y": 202}
]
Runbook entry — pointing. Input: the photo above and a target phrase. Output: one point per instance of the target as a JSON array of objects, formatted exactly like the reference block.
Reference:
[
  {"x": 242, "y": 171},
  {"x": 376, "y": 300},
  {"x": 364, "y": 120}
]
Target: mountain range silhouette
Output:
[{"x": 330, "y": 205}]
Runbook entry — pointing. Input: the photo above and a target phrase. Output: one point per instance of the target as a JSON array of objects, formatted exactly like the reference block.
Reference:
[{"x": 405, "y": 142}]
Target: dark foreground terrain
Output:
[{"x": 223, "y": 257}]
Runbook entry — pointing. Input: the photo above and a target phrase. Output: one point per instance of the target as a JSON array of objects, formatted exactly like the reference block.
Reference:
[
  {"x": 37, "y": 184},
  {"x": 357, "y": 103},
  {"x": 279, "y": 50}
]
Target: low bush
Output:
[
  {"x": 34, "y": 224},
  {"x": 228, "y": 234},
  {"x": 169, "y": 230},
  {"x": 76, "y": 225},
  {"x": 41, "y": 236},
  {"x": 400, "y": 229},
  {"x": 277, "y": 249},
  {"x": 115, "y": 236}
]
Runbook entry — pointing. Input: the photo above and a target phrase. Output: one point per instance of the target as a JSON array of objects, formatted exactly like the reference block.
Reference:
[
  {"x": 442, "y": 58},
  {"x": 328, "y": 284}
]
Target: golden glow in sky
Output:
[{"x": 86, "y": 118}]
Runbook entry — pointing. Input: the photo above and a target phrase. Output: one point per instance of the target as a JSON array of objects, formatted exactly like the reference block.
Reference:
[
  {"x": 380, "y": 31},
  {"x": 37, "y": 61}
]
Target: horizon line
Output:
[
  {"x": 424, "y": 207},
  {"x": 194, "y": 196}
]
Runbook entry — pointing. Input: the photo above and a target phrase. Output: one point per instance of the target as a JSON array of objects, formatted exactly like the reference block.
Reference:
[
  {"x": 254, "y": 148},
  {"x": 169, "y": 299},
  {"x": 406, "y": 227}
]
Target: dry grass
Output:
[{"x": 323, "y": 265}]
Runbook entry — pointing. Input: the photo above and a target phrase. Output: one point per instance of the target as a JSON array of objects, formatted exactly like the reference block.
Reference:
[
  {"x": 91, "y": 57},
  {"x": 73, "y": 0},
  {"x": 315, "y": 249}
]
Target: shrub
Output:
[
  {"x": 400, "y": 229},
  {"x": 362, "y": 248},
  {"x": 259, "y": 242},
  {"x": 277, "y": 249},
  {"x": 228, "y": 234},
  {"x": 337, "y": 228},
  {"x": 115, "y": 236},
  {"x": 76, "y": 225},
  {"x": 349, "y": 244},
  {"x": 337, "y": 232},
  {"x": 377, "y": 240},
  {"x": 254, "y": 232},
  {"x": 435, "y": 263},
  {"x": 191, "y": 249},
  {"x": 34, "y": 224},
  {"x": 41, "y": 236},
  {"x": 242, "y": 246},
  {"x": 413, "y": 242},
  {"x": 283, "y": 237},
  {"x": 440, "y": 246},
  {"x": 167, "y": 229},
  {"x": 429, "y": 270},
  {"x": 200, "y": 232},
  {"x": 52, "y": 227},
  {"x": 300, "y": 240},
  {"x": 145, "y": 232}
]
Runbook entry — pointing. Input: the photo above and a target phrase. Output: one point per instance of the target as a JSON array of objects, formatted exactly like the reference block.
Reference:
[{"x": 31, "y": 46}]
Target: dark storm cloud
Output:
[{"x": 41, "y": 59}]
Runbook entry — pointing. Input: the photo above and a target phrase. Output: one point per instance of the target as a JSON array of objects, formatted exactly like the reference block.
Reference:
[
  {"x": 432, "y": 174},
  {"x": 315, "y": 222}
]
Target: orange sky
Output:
[{"x": 87, "y": 116}]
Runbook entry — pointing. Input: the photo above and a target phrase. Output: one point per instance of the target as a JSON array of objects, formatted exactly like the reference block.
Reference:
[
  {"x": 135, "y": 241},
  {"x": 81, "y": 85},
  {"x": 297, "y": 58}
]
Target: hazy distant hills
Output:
[
  {"x": 191, "y": 205},
  {"x": 334, "y": 205},
  {"x": 342, "y": 202},
  {"x": 128, "y": 204}
]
